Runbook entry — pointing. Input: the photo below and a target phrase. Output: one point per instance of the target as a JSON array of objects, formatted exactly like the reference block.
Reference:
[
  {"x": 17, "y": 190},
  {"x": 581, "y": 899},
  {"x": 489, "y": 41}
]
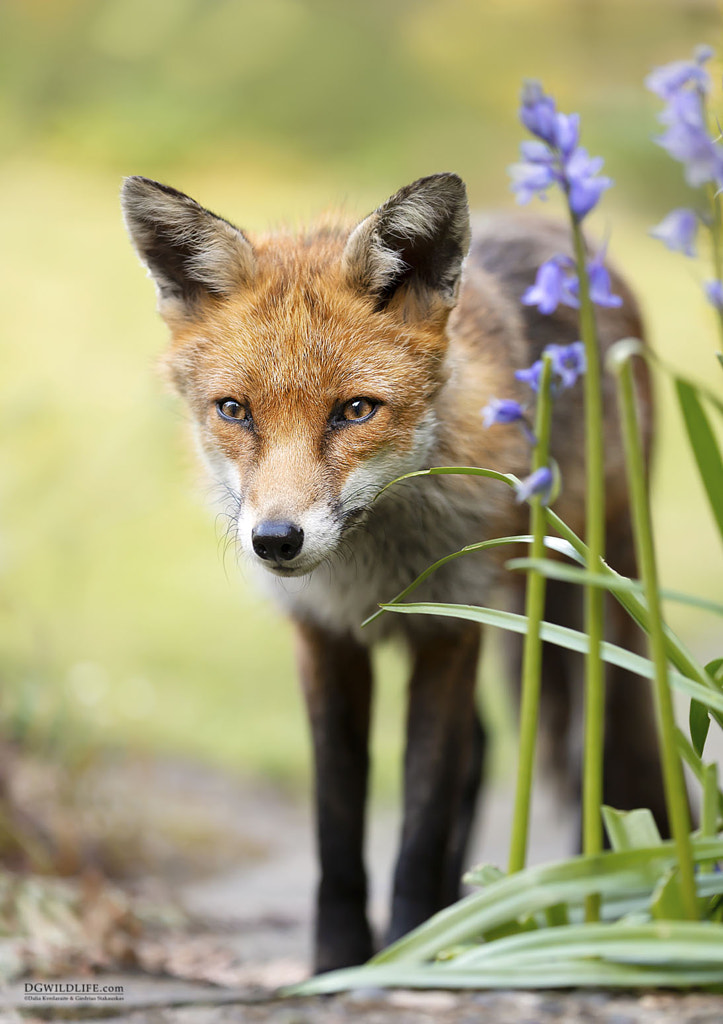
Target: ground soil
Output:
[{"x": 238, "y": 857}]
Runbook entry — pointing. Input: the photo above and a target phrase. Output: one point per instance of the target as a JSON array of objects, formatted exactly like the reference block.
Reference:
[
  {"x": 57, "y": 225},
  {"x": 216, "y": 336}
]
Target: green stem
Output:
[
  {"x": 715, "y": 231},
  {"x": 532, "y": 652},
  {"x": 592, "y": 785},
  {"x": 697, "y": 767},
  {"x": 674, "y": 782}
]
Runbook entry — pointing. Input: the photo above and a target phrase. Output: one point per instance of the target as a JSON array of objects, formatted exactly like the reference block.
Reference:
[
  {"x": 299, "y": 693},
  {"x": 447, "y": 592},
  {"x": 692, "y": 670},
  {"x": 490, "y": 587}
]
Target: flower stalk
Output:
[
  {"x": 674, "y": 783},
  {"x": 592, "y": 786},
  {"x": 717, "y": 247},
  {"x": 532, "y": 652}
]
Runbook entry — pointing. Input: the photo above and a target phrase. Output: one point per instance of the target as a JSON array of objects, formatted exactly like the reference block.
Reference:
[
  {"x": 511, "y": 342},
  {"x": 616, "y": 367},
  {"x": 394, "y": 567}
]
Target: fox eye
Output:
[
  {"x": 230, "y": 409},
  {"x": 355, "y": 410}
]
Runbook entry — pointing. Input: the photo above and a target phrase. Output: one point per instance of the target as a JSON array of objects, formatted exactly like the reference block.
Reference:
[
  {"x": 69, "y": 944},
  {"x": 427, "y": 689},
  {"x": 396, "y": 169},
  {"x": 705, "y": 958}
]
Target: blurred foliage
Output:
[
  {"x": 386, "y": 88},
  {"x": 118, "y": 620}
]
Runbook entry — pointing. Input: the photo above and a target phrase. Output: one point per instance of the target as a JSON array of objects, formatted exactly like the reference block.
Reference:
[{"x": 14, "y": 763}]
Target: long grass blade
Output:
[
  {"x": 563, "y": 636},
  {"x": 705, "y": 448},
  {"x": 569, "y": 574}
]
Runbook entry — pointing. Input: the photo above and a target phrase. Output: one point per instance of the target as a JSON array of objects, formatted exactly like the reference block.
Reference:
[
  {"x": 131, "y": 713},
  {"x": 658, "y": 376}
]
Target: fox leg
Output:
[
  {"x": 337, "y": 682},
  {"x": 442, "y": 775}
]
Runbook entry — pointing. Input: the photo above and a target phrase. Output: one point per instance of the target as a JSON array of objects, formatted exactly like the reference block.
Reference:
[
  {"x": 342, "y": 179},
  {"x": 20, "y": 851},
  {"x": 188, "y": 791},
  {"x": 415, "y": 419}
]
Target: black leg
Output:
[
  {"x": 336, "y": 678},
  {"x": 442, "y": 772}
]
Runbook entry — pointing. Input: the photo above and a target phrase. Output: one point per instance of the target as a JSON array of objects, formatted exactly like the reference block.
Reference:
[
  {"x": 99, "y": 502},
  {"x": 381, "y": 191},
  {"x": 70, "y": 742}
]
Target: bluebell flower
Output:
[
  {"x": 567, "y": 133},
  {"x": 506, "y": 410},
  {"x": 568, "y": 362},
  {"x": 531, "y": 375},
  {"x": 683, "y": 85},
  {"x": 537, "y": 112},
  {"x": 691, "y": 145},
  {"x": 538, "y": 483},
  {"x": 678, "y": 230},
  {"x": 554, "y": 156},
  {"x": 502, "y": 410},
  {"x": 530, "y": 179},
  {"x": 686, "y": 108},
  {"x": 584, "y": 187},
  {"x": 600, "y": 285},
  {"x": 552, "y": 286},
  {"x": 667, "y": 80},
  {"x": 714, "y": 293},
  {"x": 536, "y": 152}
]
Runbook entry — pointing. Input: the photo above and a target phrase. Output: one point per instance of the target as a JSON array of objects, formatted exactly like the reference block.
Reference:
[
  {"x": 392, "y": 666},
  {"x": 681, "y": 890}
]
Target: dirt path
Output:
[{"x": 252, "y": 917}]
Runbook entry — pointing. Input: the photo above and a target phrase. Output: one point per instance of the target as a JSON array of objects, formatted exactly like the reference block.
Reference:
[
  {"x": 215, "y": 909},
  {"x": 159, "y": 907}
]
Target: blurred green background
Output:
[{"x": 121, "y": 621}]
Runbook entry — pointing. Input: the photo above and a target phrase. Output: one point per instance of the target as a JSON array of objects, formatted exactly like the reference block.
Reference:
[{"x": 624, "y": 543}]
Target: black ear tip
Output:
[
  {"x": 445, "y": 186},
  {"x": 137, "y": 187},
  {"x": 135, "y": 183},
  {"x": 448, "y": 178}
]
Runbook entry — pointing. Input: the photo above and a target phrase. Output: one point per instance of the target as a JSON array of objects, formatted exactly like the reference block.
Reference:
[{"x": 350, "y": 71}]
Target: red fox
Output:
[{"x": 322, "y": 365}]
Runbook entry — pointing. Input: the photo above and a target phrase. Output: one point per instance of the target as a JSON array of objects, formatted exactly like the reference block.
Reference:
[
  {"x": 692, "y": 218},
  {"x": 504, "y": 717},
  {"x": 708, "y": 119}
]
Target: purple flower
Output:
[
  {"x": 667, "y": 80},
  {"x": 538, "y": 483},
  {"x": 684, "y": 107},
  {"x": 555, "y": 155},
  {"x": 683, "y": 85},
  {"x": 501, "y": 410},
  {"x": 692, "y": 146},
  {"x": 568, "y": 362},
  {"x": 537, "y": 152},
  {"x": 567, "y": 132},
  {"x": 552, "y": 286},
  {"x": 599, "y": 278},
  {"x": 714, "y": 293},
  {"x": 584, "y": 188},
  {"x": 537, "y": 112},
  {"x": 531, "y": 375},
  {"x": 678, "y": 231},
  {"x": 530, "y": 179}
]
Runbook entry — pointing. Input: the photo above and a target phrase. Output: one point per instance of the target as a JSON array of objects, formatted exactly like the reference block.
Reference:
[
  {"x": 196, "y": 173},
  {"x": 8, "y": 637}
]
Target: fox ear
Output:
[
  {"x": 188, "y": 250},
  {"x": 416, "y": 241}
]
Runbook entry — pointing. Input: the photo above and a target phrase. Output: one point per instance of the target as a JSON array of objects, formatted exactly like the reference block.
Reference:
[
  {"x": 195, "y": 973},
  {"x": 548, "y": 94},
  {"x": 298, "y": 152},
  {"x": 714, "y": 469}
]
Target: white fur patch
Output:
[{"x": 367, "y": 260}]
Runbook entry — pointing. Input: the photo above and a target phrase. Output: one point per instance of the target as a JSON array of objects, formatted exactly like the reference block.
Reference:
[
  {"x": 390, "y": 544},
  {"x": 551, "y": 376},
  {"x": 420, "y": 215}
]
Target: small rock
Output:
[
  {"x": 432, "y": 1001},
  {"x": 368, "y": 995}
]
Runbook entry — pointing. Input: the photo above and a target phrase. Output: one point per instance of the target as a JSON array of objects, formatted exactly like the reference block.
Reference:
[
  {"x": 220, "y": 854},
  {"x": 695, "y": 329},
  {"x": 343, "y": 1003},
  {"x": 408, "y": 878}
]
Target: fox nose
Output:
[{"x": 277, "y": 541}]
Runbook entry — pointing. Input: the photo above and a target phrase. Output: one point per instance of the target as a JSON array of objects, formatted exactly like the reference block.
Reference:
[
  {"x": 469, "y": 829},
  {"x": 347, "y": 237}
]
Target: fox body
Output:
[{"x": 321, "y": 366}]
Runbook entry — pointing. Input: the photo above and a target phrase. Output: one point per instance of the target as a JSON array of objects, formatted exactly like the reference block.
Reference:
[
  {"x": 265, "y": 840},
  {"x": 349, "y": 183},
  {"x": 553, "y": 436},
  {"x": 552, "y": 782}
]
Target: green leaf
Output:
[
  {"x": 651, "y": 943},
  {"x": 630, "y": 830},
  {"x": 694, "y": 762},
  {"x": 705, "y": 447},
  {"x": 554, "y": 543},
  {"x": 484, "y": 874},
  {"x": 614, "y": 582},
  {"x": 698, "y": 724},
  {"x": 563, "y": 636},
  {"x": 715, "y": 670},
  {"x": 614, "y": 875},
  {"x": 667, "y": 903},
  {"x": 506, "y": 478},
  {"x": 655, "y": 954},
  {"x": 710, "y": 810}
]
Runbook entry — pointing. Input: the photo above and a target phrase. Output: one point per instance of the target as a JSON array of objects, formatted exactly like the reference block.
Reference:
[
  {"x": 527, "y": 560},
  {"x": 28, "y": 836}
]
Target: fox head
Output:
[{"x": 310, "y": 362}]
